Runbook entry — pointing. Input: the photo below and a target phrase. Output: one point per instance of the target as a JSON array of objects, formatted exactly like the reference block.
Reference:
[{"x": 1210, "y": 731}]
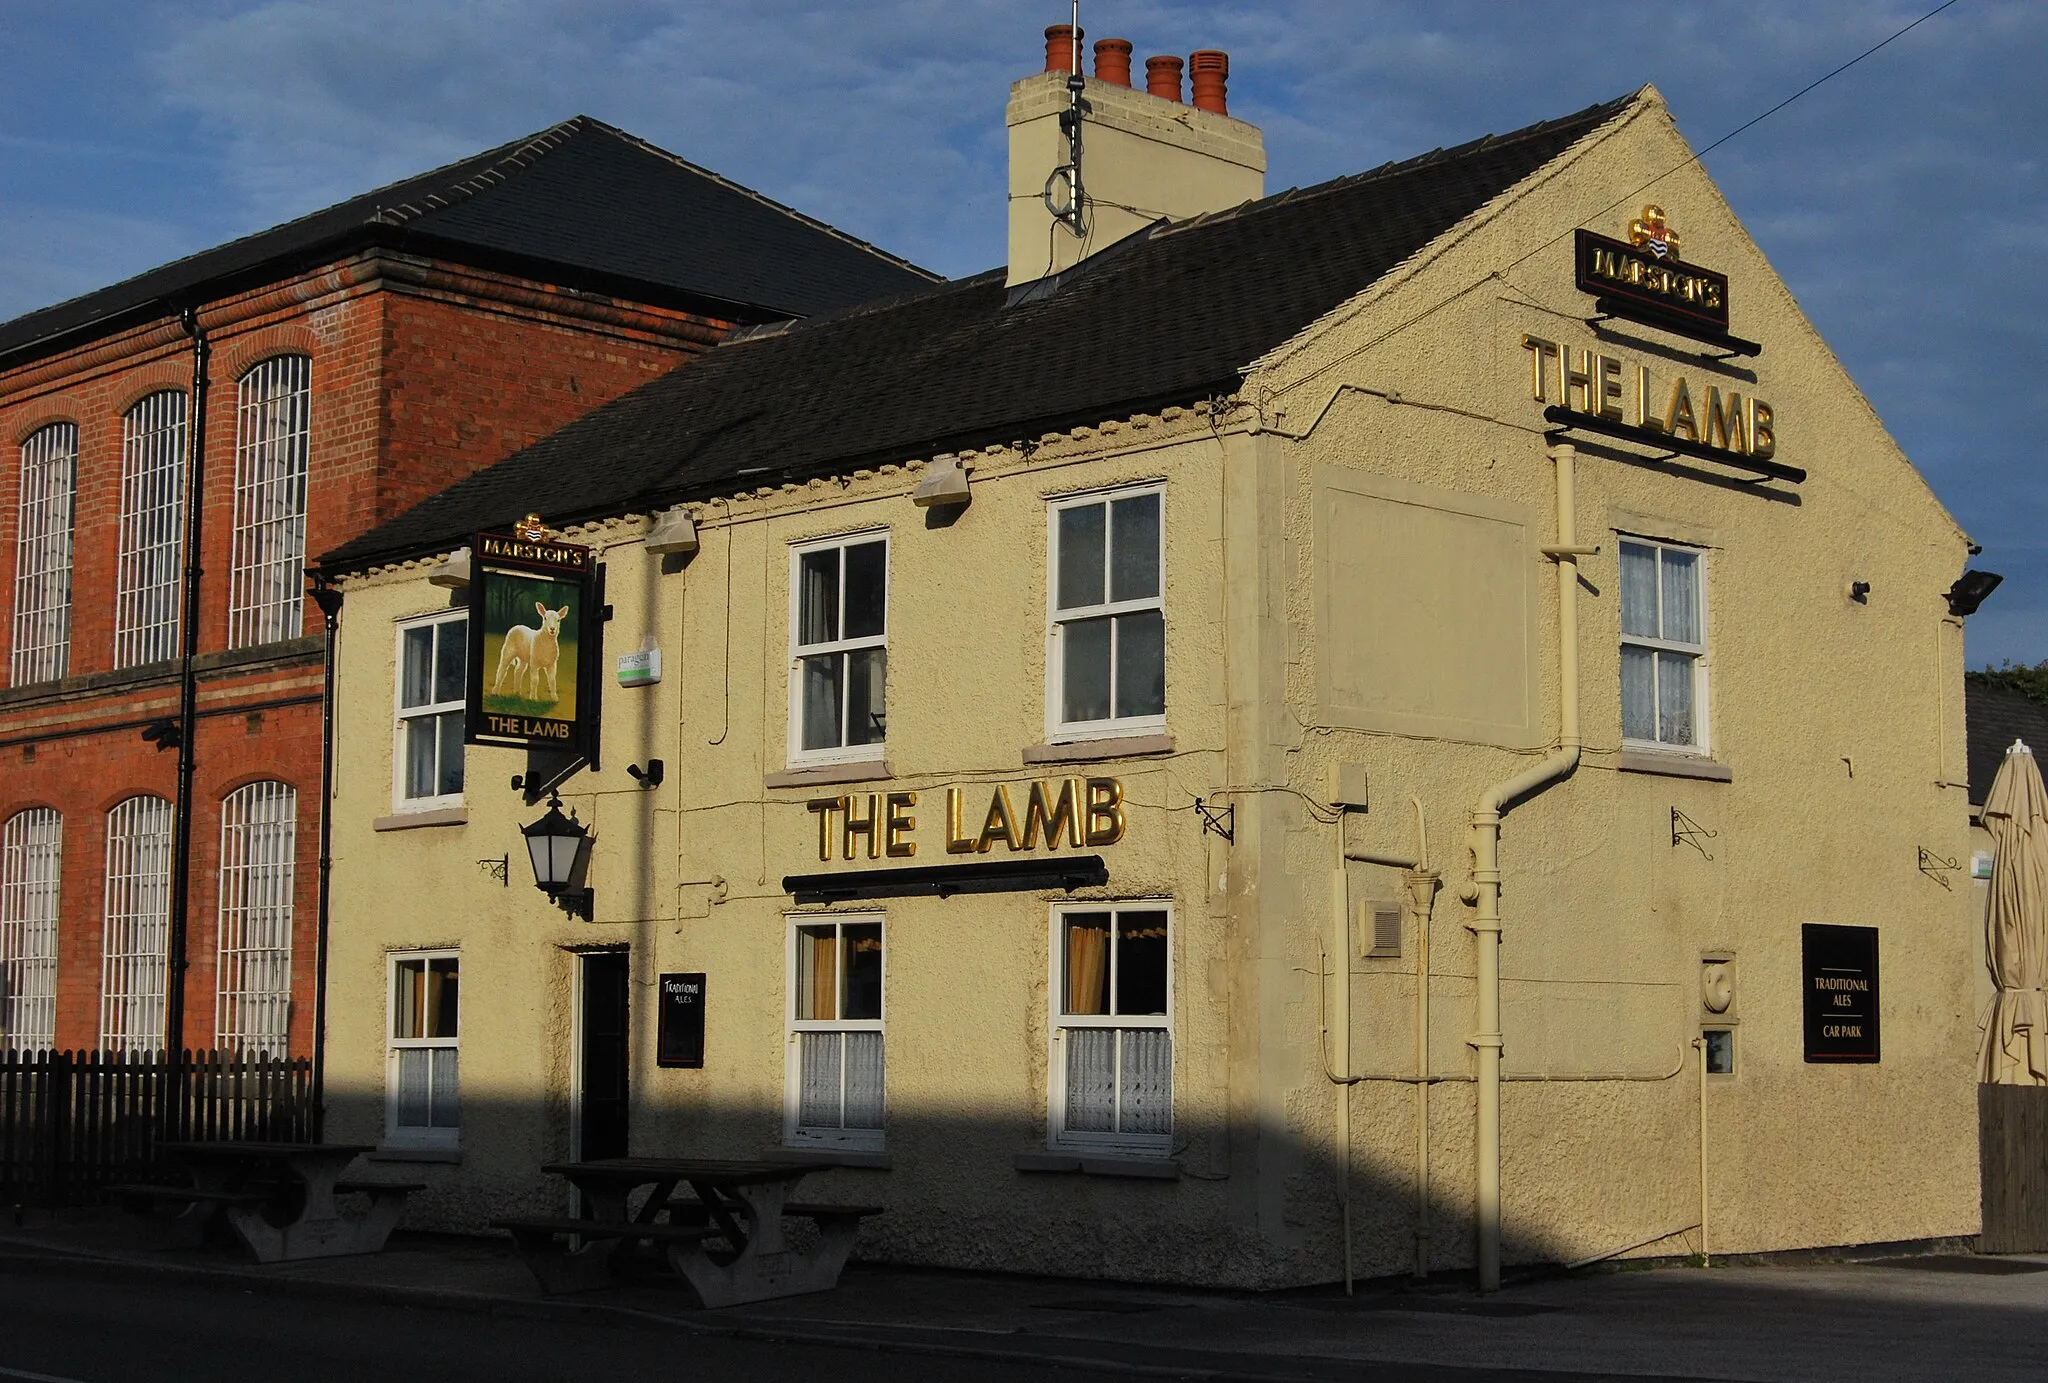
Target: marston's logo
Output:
[{"x": 1652, "y": 232}]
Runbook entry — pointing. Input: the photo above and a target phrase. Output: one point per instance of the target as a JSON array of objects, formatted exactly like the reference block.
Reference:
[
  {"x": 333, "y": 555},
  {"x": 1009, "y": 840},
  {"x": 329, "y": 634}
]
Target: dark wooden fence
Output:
[
  {"x": 73, "y": 1123},
  {"x": 2012, "y": 1144}
]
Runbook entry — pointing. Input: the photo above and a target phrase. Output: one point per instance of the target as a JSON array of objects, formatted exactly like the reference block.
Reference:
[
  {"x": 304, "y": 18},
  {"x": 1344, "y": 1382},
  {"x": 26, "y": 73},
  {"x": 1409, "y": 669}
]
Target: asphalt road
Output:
[
  {"x": 80, "y": 1329},
  {"x": 77, "y": 1326}
]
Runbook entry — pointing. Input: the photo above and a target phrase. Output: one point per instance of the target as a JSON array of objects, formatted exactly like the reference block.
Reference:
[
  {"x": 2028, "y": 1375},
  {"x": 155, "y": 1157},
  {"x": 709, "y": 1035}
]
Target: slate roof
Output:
[
  {"x": 1992, "y": 719},
  {"x": 580, "y": 204},
  {"x": 1175, "y": 317}
]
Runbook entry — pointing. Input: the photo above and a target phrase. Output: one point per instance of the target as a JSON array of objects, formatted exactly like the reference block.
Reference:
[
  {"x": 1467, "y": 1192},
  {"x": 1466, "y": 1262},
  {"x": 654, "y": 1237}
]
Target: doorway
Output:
[{"x": 601, "y": 1055}]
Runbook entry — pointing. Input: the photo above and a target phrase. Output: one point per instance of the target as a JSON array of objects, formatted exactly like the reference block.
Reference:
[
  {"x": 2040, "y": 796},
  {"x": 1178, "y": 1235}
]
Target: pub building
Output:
[{"x": 1278, "y": 738}]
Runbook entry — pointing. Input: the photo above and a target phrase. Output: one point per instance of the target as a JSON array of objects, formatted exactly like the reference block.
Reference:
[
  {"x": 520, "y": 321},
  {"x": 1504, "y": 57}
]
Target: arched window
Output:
[
  {"x": 152, "y": 530},
  {"x": 135, "y": 937},
  {"x": 258, "y": 843},
  {"x": 266, "y": 597},
  {"x": 42, "y": 555},
  {"x": 31, "y": 855}
]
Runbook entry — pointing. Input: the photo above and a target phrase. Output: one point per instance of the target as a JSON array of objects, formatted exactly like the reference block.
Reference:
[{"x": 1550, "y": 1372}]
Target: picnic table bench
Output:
[
  {"x": 726, "y": 1241},
  {"x": 279, "y": 1198}
]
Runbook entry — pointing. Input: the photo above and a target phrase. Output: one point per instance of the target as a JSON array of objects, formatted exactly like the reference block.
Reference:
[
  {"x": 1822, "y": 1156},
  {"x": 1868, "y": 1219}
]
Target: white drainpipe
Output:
[{"x": 1484, "y": 890}]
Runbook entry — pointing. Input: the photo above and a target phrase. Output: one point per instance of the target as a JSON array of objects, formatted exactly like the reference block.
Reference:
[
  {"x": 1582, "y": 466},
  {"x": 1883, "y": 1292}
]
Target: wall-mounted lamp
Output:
[
  {"x": 555, "y": 845},
  {"x": 453, "y": 573},
  {"x": 163, "y": 734},
  {"x": 1969, "y": 591},
  {"x": 1859, "y": 591},
  {"x": 648, "y": 777},
  {"x": 944, "y": 483},
  {"x": 674, "y": 531}
]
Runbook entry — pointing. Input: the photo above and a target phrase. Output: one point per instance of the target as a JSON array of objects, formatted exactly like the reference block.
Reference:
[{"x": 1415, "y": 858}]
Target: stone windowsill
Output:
[
  {"x": 1082, "y": 1164},
  {"x": 1673, "y": 765},
  {"x": 830, "y": 1157},
  {"x": 411, "y": 821},
  {"x": 1090, "y": 751},
  {"x": 820, "y": 775},
  {"x": 402, "y": 1153}
]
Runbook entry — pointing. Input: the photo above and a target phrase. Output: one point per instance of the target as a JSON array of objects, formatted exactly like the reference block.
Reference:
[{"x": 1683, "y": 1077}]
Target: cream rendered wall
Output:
[
  {"x": 1840, "y": 723},
  {"x": 689, "y": 875}
]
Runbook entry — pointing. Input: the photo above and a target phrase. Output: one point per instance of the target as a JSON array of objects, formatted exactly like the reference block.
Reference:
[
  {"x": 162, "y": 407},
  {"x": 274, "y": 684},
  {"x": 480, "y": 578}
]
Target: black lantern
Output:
[{"x": 555, "y": 845}]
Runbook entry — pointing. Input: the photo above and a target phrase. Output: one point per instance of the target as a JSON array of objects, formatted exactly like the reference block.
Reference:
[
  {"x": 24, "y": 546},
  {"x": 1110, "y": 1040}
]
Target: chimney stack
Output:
[
  {"x": 1148, "y": 157},
  {"x": 1060, "y": 42},
  {"x": 1113, "y": 61},
  {"x": 1210, "y": 69},
  {"x": 1162, "y": 78}
]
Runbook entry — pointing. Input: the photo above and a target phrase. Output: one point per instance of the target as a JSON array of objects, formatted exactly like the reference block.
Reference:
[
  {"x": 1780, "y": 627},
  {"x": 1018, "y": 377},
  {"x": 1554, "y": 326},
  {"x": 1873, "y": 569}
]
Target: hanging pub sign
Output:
[
  {"x": 532, "y": 641},
  {"x": 1840, "y": 980}
]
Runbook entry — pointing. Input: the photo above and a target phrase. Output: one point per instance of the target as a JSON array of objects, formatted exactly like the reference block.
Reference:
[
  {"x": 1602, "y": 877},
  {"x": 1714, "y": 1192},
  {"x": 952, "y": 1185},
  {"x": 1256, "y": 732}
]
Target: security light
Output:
[{"x": 1969, "y": 591}]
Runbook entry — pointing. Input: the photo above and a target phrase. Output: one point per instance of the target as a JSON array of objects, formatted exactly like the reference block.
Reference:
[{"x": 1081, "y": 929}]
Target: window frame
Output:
[
  {"x": 401, "y": 714},
  {"x": 31, "y": 902},
  {"x": 1702, "y": 746},
  {"x": 150, "y": 967},
  {"x": 149, "y": 613},
  {"x": 798, "y": 756},
  {"x": 256, "y": 895},
  {"x": 45, "y": 553},
  {"x": 266, "y": 571},
  {"x": 1057, "y": 729},
  {"x": 795, "y": 1134},
  {"x": 1057, "y": 1136},
  {"x": 414, "y": 1135}
]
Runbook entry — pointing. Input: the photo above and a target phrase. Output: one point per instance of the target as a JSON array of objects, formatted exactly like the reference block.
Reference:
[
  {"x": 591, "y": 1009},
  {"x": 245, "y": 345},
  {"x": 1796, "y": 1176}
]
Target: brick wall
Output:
[{"x": 421, "y": 373}]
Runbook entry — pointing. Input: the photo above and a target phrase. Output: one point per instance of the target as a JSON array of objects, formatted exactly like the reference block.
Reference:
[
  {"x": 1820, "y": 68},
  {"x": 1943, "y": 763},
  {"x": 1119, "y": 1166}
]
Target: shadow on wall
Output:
[{"x": 1250, "y": 1208}]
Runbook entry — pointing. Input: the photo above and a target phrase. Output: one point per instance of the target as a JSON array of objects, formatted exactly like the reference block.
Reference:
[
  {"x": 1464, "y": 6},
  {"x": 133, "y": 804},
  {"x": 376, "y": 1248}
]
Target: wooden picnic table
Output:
[
  {"x": 738, "y": 1206},
  {"x": 280, "y": 1198}
]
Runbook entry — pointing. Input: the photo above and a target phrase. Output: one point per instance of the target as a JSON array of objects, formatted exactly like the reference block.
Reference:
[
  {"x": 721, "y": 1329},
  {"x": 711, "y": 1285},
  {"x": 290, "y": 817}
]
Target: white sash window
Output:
[
  {"x": 258, "y": 845},
  {"x": 42, "y": 555},
  {"x": 266, "y": 586},
  {"x": 135, "y": 935},
  {"x": 1112, "y": 1026},
  {"x": 1106, "y": 660},
  {"x": 835, "y": 1078},
  {"x": 423, "y": 1097},
  {"x": 31, "y": 863},
  {"x": 149, "y": 582},
  {"x": 1663, "y": 647}
]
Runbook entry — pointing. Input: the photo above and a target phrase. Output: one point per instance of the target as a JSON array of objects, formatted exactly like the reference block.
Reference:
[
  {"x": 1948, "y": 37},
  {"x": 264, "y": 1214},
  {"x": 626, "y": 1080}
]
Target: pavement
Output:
[{"x": 1936, "y": 1317}]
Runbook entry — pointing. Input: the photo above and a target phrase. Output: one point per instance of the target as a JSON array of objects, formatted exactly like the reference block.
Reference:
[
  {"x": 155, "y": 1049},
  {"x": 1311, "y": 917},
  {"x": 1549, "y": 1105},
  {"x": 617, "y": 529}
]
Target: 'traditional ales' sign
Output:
[
  {"x": 1840, "y": 974},
  {"x": 531, "y": 612},
  {"x": 679, "y": 1035}
]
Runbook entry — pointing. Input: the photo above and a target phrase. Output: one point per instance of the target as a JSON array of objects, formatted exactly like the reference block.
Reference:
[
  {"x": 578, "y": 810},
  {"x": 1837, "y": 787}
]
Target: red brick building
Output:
[{"x": 279, "y": 395}]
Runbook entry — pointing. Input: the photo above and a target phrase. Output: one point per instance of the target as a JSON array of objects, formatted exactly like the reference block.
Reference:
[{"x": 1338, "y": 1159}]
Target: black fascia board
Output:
[
  {"x": 1001, "y": 434},
  {"x": 372, "y": 235},
  {"x": 1568, "y": 419},
  {"x": 944, "y": 880}
]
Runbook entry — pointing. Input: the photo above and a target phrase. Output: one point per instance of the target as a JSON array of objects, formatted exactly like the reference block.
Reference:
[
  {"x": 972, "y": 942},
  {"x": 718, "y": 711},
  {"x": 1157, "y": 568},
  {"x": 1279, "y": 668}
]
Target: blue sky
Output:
[{"x": 1905, "y": 202}]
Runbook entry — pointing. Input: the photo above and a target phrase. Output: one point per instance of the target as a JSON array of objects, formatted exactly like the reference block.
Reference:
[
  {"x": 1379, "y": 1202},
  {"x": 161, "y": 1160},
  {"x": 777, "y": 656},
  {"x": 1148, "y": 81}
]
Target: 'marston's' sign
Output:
[{"x": 1652, "y": 286}]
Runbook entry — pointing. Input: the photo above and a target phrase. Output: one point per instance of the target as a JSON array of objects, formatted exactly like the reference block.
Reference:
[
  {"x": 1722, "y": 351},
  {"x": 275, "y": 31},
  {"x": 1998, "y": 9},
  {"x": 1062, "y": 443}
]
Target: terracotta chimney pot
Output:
[
  {"x": 1059, "y": 48},
  {"x": 1210, "y": 69},
  {"x": 1113, "y": 61},
  {"x": 1162, "y": 77}
]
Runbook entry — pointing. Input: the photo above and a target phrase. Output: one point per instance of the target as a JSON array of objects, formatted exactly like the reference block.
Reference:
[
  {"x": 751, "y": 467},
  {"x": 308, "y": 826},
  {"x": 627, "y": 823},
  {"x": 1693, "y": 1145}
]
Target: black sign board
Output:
[
  {"x": 534, "y": 644},
  {"x": 1841, "y": 992},
  {"x": 679, "y": 1040},
  {"x": 1641, "y": 286}
]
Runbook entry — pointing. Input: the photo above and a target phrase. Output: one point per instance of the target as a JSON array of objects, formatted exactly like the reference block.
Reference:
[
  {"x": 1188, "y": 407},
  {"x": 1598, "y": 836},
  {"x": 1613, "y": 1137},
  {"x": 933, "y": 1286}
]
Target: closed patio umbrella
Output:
[{"x": 2016, "y": 924}]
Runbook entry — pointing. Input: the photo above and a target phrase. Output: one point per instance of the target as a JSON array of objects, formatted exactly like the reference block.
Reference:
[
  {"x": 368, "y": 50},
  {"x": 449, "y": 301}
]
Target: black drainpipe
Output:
[
  {"x": 188, "y": 693},
  {"x": 328, "y": 597}
]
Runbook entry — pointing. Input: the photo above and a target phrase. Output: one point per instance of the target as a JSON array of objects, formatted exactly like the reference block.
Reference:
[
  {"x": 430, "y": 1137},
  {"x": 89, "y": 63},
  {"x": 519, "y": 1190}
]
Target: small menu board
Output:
[
  {"x": 679, "y": 1039},
  {"x": 1840, "y": 972}
]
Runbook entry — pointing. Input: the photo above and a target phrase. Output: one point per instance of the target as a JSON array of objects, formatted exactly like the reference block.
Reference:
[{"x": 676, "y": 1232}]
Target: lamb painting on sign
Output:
[{"x": 527, "y": 633}]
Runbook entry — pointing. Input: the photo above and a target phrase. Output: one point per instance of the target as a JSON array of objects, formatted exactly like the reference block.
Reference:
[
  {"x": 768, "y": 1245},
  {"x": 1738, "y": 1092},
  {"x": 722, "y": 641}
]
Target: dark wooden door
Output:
[{"x": 601, "y": 1083}]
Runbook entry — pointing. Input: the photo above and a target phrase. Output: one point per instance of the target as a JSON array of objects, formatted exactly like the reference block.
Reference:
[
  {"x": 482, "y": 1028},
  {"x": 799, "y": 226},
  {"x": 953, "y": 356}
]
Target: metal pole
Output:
[
  {"x": 1701, "y": 1043},
  {"x": 329, "y": 600},
  {"x": 176, "y": 960}
]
